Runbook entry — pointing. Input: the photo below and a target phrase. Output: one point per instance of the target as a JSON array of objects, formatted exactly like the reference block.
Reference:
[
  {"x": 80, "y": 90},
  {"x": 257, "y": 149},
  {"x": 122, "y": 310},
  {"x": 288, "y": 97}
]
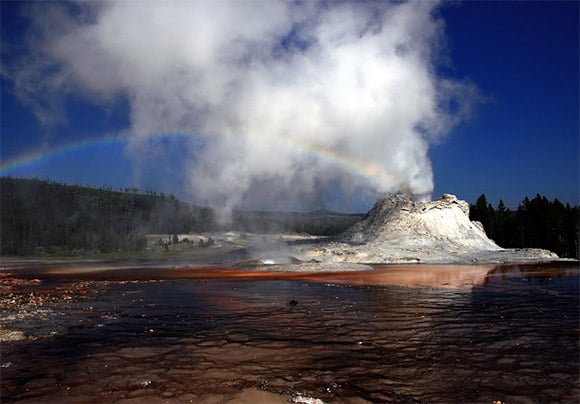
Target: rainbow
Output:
[
  {"x": 41, "y": 155},
  {"x": 355, "y": 166},
  {"x": 373, "y": 173}
]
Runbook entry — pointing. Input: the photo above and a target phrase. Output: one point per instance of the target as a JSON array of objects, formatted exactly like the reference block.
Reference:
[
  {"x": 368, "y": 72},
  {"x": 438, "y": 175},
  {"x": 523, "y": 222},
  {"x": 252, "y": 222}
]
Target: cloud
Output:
[{"x": 293, "y": 96}]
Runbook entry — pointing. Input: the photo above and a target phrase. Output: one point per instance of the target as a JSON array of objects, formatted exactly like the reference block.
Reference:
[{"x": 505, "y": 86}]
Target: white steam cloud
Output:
[{"x": 272, "y": 84}]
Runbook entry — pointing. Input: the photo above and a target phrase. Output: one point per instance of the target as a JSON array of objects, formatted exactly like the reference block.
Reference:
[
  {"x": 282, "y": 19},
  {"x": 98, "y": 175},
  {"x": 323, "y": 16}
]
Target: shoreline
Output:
[{"x": 286, "y": 263}]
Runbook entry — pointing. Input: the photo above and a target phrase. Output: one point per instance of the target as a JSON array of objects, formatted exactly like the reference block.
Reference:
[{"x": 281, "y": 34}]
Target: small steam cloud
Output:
[{"x": 292, "y": 96}]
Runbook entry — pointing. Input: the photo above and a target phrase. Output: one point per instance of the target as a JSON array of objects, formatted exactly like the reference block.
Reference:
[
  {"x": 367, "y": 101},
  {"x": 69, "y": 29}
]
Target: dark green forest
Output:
[
  {"x": 43, "y": 216},
  {"x": 39, "y": 216},
  {"x": 536, "y": 223}
]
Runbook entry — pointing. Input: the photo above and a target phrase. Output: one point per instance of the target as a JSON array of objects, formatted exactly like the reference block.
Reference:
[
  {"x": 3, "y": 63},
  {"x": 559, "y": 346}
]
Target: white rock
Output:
[{"x": 398, "y": 230}]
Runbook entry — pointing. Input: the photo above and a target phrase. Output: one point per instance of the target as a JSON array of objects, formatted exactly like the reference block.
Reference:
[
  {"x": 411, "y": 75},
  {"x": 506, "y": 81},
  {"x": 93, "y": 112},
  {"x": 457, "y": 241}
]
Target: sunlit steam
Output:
[{"x": 355, "y": 82}]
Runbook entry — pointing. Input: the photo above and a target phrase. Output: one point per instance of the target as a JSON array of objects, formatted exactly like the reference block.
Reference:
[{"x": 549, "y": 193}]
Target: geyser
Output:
[
  {"x": 398, "y": 230},
  {"x": 356, "y": 81}
]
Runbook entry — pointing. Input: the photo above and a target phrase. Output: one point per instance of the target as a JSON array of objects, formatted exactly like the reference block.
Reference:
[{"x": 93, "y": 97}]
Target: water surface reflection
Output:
[{"x": 401, "y": 333}]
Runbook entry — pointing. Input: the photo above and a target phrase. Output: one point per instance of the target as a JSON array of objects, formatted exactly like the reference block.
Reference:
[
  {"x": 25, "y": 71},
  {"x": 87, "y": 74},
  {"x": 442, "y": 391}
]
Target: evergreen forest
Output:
[
  {"x": 39, "y": 216},
  {"x": 536, "y": 223}
]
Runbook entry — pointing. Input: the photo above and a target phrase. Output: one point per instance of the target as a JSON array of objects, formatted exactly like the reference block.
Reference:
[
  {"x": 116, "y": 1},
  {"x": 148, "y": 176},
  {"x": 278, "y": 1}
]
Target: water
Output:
[{"x": 399, "y": 334}]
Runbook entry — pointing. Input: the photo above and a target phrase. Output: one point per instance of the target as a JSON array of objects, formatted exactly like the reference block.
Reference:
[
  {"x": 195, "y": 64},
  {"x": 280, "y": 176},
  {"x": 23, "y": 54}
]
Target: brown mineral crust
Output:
[
  {"x": 19, "y": 294},
  {"x": 22, "y": 300}
]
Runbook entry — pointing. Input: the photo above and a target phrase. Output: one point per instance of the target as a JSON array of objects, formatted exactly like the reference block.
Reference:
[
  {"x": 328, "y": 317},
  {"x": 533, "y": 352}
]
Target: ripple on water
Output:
[{"x": 512, "y": 338}]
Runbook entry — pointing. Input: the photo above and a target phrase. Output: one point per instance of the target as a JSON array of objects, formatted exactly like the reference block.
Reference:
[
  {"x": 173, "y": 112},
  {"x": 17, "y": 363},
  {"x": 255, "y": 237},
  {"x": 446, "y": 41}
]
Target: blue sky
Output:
[
  {"x": 524, "y": 140},
  {"x": 522, "y": 137}
]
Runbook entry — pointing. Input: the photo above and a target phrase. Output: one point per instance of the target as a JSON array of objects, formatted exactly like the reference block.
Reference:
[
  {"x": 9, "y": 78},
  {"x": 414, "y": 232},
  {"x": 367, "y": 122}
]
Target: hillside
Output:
[{"x": 40, "y": 216}]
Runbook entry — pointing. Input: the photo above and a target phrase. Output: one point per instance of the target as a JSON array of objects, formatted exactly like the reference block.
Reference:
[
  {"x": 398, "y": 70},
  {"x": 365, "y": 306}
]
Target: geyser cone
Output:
[
  {"x": 441, "y": 223},
  {"x": 398, "y": 230}
]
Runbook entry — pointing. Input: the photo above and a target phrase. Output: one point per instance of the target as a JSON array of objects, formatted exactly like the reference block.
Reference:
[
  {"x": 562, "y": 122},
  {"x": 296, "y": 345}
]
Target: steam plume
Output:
[{"x": 274, "y": 85}]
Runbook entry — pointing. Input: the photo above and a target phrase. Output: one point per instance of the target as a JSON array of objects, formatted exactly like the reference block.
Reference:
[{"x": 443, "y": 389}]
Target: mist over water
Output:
[{"x": 293, "y": 99}]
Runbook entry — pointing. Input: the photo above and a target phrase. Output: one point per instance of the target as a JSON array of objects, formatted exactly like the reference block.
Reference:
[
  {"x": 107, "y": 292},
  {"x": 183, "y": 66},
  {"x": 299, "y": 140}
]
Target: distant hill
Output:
[
  {"x": 45, "y": 216},
  {"x": 38, "y": 215}
]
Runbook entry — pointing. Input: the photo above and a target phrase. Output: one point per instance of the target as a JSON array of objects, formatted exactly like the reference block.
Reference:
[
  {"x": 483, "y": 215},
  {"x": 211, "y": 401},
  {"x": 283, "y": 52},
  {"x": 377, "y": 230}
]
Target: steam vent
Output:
[{"x": 398, "y": 230}]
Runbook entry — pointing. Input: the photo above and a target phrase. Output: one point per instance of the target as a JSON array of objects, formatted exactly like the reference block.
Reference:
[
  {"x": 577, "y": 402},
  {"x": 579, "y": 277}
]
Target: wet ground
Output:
[{"x": 90, "y": 333}]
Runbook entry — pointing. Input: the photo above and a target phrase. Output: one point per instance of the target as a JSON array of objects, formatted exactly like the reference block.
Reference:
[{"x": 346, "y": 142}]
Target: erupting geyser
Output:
[{"x": 285, "y": 101}]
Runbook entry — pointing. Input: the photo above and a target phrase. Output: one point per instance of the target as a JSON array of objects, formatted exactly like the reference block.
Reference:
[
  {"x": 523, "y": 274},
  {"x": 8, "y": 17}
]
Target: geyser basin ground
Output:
[
  {"x": 396, "y": 230},
  {"x": 475, "y": 333}
]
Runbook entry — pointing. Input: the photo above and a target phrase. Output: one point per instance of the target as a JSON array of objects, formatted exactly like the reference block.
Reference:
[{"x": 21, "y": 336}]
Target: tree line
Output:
[
  {"x": 536, "y": 223},
  {"x": 39, "y": 216},
  {"x": 45, "y": 216}
]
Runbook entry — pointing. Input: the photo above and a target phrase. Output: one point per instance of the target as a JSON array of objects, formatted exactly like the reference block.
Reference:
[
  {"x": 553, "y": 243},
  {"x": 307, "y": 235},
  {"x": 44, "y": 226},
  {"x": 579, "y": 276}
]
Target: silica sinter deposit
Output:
[{"x": 474, "y": 334}]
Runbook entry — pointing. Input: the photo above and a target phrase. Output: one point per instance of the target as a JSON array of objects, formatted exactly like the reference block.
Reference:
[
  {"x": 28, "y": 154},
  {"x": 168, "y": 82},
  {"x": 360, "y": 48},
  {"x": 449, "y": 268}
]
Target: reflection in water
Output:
[
  {"x": 446, "y": 276},
  {"x": 438, "y": 276},
  {"x": 401, "y": 333}
]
